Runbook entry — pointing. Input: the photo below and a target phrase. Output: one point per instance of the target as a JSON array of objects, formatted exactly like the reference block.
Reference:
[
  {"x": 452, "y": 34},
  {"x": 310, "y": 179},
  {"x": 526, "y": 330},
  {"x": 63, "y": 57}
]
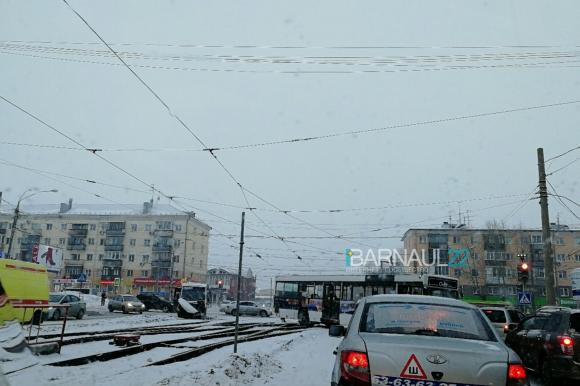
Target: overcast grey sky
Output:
[{"x": 232, "y": 95}]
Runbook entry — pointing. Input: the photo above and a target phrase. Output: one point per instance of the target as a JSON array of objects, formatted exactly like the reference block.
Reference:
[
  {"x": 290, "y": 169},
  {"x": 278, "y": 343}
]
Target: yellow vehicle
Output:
[{"x": 22, "y": 287}]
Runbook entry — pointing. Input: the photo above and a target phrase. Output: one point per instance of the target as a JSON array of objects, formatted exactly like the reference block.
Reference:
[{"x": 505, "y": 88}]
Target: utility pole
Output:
[
  {"x": 13, "y": 230},
  {"x": 239, "y": 285},
  {"x": 546, "y": 233}
]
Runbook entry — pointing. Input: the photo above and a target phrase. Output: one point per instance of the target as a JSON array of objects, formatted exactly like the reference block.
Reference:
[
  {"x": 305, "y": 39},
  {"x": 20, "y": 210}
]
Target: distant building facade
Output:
[
  {"x": 490, "y": 271},
  {"x": 223, "y": 285},
  {"x": 139, "y": 247}
]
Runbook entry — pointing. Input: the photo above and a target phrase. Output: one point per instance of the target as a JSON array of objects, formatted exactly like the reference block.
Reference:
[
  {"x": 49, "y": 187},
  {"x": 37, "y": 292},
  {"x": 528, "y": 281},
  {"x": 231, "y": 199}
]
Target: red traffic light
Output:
[
  {"x": 220, "y": 282},
  {"x": 525, "y": 266}
]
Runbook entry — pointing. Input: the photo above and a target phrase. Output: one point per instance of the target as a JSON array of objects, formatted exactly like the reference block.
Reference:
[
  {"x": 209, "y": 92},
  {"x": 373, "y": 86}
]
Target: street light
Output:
[{"x": 22, "y": 197}]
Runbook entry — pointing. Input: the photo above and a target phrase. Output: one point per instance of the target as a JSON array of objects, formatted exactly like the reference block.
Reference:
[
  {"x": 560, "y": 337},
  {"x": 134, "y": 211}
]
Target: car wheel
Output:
[
  {"x": 110, "y": 309},
  {"x": 263, "y": 313},
  {"x": 80, "y": 314},
  {"x": 234, "y": 312},
  {"x": 124, "y": 310},
  {"x": 165, "y": 309},
  {"x": 56, "y": 315}
]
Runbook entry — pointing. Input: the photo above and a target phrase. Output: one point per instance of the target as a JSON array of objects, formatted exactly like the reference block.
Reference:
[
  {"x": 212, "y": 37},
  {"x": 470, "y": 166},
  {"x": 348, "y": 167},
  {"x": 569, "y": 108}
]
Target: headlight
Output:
[
  {"x": 130, "y": 304},
  {"x": 50, "y": 308}
]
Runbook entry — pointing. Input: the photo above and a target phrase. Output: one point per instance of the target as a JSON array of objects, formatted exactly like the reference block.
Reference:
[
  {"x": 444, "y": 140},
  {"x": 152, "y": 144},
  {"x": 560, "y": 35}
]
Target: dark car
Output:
[
  {"x": 549, "y": 344},
  {"x": 155, "y": 302}
]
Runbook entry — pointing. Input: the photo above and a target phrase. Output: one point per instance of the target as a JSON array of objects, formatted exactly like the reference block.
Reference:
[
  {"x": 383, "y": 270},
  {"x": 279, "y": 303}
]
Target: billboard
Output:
[{"x": 48, "y": 256}]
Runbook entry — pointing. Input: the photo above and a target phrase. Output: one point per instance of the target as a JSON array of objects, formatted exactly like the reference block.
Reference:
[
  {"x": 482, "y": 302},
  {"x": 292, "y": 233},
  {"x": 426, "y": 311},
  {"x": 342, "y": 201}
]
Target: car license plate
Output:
[{"x": 395, "y": 381}]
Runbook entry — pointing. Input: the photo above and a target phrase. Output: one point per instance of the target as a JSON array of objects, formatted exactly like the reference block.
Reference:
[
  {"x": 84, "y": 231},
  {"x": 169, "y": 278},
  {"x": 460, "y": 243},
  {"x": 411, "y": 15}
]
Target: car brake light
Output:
[
  {"x": 506, "y": 328},
  {"x": 566, "y": 344},
  {"x": 355, "y": 364},
  {"x": 516, "y": 371}
]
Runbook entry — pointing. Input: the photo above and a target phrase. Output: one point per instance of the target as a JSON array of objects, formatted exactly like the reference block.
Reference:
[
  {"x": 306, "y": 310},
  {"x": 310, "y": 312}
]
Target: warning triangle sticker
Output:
[{"x": 413, "y": 369}]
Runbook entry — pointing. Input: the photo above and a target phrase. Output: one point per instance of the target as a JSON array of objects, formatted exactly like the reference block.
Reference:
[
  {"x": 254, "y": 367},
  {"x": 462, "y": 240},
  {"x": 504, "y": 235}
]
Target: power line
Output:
[
  {"x": 563, "y": 167},
  {"x": 562, "y": 154},
  {"x": 561, "y": 201}
]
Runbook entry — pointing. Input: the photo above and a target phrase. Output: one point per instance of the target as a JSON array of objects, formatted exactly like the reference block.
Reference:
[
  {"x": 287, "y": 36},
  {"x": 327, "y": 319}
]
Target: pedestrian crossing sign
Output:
[{"x": 524, "y": 298}]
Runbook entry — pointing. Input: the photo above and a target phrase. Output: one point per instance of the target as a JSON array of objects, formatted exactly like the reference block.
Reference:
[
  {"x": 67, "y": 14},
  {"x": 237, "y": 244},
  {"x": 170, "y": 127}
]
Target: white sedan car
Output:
[{"x": 413, "y": 340}]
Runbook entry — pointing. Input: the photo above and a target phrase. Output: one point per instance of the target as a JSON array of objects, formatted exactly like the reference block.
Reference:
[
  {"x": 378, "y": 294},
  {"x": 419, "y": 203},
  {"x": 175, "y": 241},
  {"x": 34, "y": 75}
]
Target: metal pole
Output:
[
  {"x": 13, "y": 230},
  {"x": 239, "y": 285},
  {"x": 547, "y": 237}
]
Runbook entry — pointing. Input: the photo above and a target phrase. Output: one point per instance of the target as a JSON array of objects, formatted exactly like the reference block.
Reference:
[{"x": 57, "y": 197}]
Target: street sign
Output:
[
  {"x": 575, "y": 277},
  {"x": 117, "y": 282},
  {"x": 524, "y": 298},
  {"x": 82, "y": 278}
]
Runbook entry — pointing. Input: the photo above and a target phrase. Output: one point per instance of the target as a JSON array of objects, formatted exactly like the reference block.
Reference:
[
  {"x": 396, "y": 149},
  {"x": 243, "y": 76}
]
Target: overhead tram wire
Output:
[
  {"x": 562, "y": 154},
  {"x": 169, "y": 111},
  {"x": 562, "y": 202}
]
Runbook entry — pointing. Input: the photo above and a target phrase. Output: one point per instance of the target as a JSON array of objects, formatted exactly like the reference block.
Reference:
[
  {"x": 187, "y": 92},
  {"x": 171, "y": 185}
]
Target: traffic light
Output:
[
  {"x": 523, "y": 271},
  {"x": 220, "y": 283}
]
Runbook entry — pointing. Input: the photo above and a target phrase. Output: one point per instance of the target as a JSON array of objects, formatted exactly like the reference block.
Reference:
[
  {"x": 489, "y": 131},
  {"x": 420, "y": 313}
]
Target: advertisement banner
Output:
[{"x": 48, "y": 256}]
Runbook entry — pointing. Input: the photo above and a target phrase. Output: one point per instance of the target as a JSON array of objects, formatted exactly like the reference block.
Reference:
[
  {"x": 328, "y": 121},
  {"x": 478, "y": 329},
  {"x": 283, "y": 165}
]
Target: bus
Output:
[
  {"x": 331, "y": 299},
  {"x": 190, "y": 300}
]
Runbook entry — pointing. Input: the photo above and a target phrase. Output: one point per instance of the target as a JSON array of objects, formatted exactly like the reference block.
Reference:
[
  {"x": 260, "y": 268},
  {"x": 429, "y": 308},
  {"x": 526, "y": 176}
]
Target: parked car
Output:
[
  {"x": 549, "y": 344},
  {"x": 422, "y": 340},
  {"x": 504, "y": 319},
  {"x": 250, "y": 308},
  {"x": 226, "y": 306},
  {"x": 126, "y": 303},
  {"x": 77, "y": 308},
  {"x": 153, "y": 301}
]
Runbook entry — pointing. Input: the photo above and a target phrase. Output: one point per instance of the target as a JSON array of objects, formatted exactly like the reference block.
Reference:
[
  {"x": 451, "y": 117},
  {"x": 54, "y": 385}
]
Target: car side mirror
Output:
[
  {"x": 511, "y": 327},
  {"x": 337, "y": 330}
]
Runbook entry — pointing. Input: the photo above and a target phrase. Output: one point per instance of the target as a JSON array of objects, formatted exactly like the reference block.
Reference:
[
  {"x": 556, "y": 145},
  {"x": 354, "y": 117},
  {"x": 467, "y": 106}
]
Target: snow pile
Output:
[{"x": 235, "y": 370}]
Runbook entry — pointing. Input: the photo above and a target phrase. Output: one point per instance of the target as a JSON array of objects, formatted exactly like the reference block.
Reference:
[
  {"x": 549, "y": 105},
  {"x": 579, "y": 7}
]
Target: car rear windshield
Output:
[
  {"x": 425, "y": 319},
  {"x": 495, "y": 316}
]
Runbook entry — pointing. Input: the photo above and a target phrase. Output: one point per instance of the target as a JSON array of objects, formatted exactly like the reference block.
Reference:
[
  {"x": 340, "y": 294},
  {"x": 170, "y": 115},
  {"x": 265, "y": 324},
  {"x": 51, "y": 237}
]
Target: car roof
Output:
[
  {"x": 497, "y": 308},
  {"x": 418, "y": 299}
]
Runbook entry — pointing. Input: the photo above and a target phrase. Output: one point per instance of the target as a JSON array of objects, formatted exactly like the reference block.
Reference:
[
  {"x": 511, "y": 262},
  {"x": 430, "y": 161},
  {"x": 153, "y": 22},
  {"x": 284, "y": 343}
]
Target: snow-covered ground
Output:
[{"x": 301, "y": 358}]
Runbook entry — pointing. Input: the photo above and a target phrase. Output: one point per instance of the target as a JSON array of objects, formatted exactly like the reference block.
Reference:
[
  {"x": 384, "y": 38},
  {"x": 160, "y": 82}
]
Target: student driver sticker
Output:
[{"x": 413, "y": 369}]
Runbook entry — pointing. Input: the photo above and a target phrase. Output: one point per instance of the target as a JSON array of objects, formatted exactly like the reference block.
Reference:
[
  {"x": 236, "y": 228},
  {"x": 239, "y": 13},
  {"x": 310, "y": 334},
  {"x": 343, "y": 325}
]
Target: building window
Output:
[
  {"x": 89, "y": 256},
  {"x": 63, "y": 227},
  {"x": 147, "y": 242},
  {"x": 559, "y": 241},
  {"x": 93, "y": 227},
  {"x": 145, "y": 259},
  {"x": 561, "y": 274},
  {"x": 476, "y": 291},
  {"x": 61, "y": 241},
  {"x": 178, "y": 227},
  {"x": 88, "y": 272},
  {"x": 422, "y": 240},
  {"x": 47, "y": 240},
  {"x": 536, "y": 239},
  {"x": 177, "y": 243},
  {"x": 577, "y": 240},
  {"x": 511, "y": 290},
  {"x": 565, "y": 292},
  {"x": 102, "y": 242},
  {"x": 48, "y": 227},
  {"x": 508, "y": 240},
  {"x": 539, "y": 272},
  {"x": 132, "y": 242},
  {"x": 560, "y": 257},
  {"x": 131, "y": 258},
  {"x": 133, "y": 227},
  {"x": 175, "y": 273},
  {"x": 91, "y": 241},
  {"x": 148, "y": 227},
  {"x": 129, "y": 273},
  {"x": 75, "y": 256},
  {"x": 163, "y": 225},
  {"x": 494, "y": 290},
  {"x": 176, "y": 259},
  {"x": 474, "y": 272},
  {"x": 100, "y": 256},
  {"x": 577, "y": 258},
  {"x": 456, "y": 239},
  {"x": 144, "y": 273}
]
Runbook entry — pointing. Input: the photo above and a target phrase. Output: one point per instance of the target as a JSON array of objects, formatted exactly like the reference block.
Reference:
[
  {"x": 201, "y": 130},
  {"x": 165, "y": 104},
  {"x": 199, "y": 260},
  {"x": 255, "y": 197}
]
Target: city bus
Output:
[{"x": 331, "y": 299}]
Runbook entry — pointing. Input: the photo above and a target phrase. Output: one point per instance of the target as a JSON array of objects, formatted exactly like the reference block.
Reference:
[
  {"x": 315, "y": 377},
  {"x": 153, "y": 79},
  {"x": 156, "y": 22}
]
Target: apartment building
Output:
[
  {"x": 123, "y": 248},
  {"x": 223, "y": 285},
  {"x": 490, "y": 272}
]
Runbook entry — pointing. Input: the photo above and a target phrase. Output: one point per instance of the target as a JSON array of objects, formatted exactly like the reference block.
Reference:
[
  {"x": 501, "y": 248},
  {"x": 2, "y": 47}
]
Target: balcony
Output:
[
  {"x": 114, "y": 248},
  {"x": 78, "y": 232},
  {"x": 68, "y": 263},
  {"x": 161, "y": 264},
  {"x": 76, "y": 247},
  {"x": 113, "y": 263},
  {"x": 162, "y": 248},
  {"x": 163, "y": 233}
]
